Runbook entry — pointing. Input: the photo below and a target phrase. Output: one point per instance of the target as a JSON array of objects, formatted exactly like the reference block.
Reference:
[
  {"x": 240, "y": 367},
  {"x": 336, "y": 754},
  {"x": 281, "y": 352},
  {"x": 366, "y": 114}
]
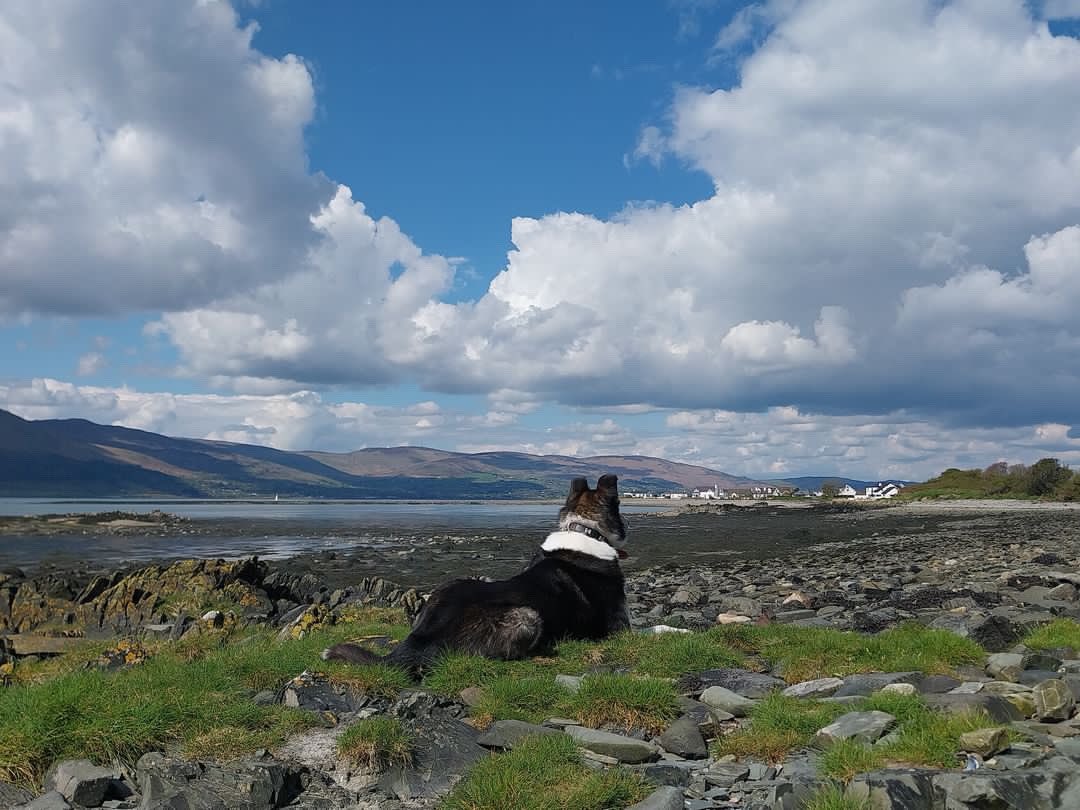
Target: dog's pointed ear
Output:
[
  {"x": 577, "y": 486},
  {"x": 609, "y": 484}
]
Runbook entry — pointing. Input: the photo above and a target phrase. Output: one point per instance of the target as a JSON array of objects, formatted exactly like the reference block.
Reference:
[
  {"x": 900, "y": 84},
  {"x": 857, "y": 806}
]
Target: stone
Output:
[
  {"x": 1005, "y": 666},
  {"x": 817, "y": 688},
  {"x": 985, "y": 741},
  {"x": 867, "y": 684},
  {"x": 707, "y": 718},
  {"x": 863, "y": 726},
  {"x": 571, "y": 683},
  {"x": 905, "y": 689},
  {"x": 450, "y": 749},
  {"x": 1024, "y": 702},
  {"x": 1043, "y": 661},
  {"x": 684, "y": 739},
  {"x": 725, "y": 700},
  {"x": 726, "y": 774},
  {"x": 1053, "y": 700},
  {"x": 10, "y": 795},
  {"x": 741, "y": 681},
  {"x": 505, "y": 734},
  {"x": 624, "y": 749},
  {"x": 733, "y": 618},
  {"x": 894, "y": 789},
  {"x": 663, "y": 798},
  {"x": 937, "y": 684},
  {"x": 48, "y": 801},
  {"x": 994, "y": 632},
  {"x": 471, "y": 695},
  {"x": 675, "y": 774},
  {"x": 80, "y": 781},
  {"x": 168, "y": 783},
  {"x": 999, "y": 709}
]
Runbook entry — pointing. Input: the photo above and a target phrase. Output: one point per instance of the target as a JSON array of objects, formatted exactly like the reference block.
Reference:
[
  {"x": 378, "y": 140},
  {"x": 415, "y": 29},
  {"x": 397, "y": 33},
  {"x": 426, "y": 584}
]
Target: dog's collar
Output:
[
  {"x": 588, "y": 531},
  {"x": 577, "y": 541}
]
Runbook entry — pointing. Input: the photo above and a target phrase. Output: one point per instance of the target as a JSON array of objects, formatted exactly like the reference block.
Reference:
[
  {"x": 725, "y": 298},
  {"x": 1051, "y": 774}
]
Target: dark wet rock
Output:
[
  {"x": 80, "y": 781},
  {"x": 896, "y": 789},
  {"x": 675, "y": 774},
  {"x": 450, "y": 748},
  {"x": 937, "y": 684},
  {"x": 741, "y": 681},
  {"x": 995, "y": 633},
  {"x": 317, "y": 694},
  {"x": 172, "y": 784},
  {"x": 663, "y": 798}
]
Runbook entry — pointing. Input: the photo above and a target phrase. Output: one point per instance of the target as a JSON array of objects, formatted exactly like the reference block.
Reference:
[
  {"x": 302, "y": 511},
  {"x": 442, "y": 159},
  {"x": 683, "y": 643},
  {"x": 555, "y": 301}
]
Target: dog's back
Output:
[{"x": 573, "y": 590}]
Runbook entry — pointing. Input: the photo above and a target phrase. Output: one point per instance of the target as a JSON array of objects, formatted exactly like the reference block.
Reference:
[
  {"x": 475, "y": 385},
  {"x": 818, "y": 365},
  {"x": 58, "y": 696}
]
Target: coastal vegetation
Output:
[
  {"x": 1047, "y": 478},
  {"x": 194, "y": 696}
]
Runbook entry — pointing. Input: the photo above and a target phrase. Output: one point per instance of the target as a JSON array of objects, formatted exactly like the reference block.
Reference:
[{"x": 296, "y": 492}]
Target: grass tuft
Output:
[
  {"x": 376, "y": 742},
  {"x": 805, "y": 653},
  {"x": 531, "y": 699},
  {"x": 778, "y": 725},
  {"x": 544, "y": 773},
  {"x": 832, "y": 797},
  {"x": 845, "y": 758},
  {"x": 625, "y": 701},
  {"x": 1055, "y": 634}
]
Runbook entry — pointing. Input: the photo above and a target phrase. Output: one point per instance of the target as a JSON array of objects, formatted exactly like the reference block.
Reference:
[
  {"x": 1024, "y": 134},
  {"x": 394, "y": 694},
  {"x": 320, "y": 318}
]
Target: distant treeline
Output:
[{"x": 1046, "y": 478}]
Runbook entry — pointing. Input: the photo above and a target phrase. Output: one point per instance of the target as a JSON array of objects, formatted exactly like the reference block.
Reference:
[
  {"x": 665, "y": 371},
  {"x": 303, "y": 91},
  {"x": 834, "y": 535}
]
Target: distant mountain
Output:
[
  {"x": 78, "y": 458},
  {"x": 812, "y": 483}
]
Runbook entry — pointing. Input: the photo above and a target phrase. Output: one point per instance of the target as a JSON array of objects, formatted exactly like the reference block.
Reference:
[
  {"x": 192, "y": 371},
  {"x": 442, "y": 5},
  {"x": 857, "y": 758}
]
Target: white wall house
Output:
[
  {"x": 847, "y": 491},
  {"x": 883, "y": 490}
]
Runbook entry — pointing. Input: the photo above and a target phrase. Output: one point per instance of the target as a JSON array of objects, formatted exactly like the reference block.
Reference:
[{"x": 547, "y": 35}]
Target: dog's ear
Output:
[
  {"x": 577, "y": 486},
  {"x": 608, "y": 484}
]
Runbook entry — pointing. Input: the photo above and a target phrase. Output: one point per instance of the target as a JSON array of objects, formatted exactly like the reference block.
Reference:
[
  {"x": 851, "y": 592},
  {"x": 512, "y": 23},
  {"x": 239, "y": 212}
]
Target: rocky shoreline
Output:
[{"x": 981, "y": 576}]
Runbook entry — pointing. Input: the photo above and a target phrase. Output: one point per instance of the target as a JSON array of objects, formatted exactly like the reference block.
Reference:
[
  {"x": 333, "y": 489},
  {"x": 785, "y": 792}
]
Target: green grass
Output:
[
  {"x": 376, "y": 742},
  {"x": 544, "y": 773},
  {"x": 625, "y": 701},
  {"x": 665, "y": 655},
  {"x": 531, "y": 698},
  {"x": 778, "y": 724},
  {"x": 1058, "y": 633},
  {"x": 832, "y": 797},
  {"x": 804, "y": 653},
  {"x": 194, "y": 695},
  {"x": 845, "y": 758}
]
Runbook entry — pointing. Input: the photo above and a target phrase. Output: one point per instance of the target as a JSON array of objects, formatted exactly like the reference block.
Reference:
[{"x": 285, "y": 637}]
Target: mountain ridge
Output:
[{"x": 77, "y": 457}]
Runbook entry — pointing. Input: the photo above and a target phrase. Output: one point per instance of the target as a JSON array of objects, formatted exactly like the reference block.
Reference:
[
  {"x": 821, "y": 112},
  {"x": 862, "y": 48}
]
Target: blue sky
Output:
[{"x": 777, "y": 238}]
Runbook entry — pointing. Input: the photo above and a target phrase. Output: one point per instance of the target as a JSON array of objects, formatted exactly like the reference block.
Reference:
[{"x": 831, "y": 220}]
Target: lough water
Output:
[{"x": 270, "y": 529}]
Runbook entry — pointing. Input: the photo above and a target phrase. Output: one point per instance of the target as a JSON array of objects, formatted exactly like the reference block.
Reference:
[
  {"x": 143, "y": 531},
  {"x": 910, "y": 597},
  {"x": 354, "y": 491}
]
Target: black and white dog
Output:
[{"x": 572, "y": 589}]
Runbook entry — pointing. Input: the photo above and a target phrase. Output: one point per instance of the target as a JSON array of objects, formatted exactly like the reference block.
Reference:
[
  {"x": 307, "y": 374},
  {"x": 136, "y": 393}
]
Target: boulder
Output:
[
  {"x": 449, "y": 749},
  {"x": 985, "y": 741},
  {"x": 895, "y": 789},
  {"x": 683, "y": 738},
  {"x": 741, "y": 681},
  {"x": 865, "y": 685},
  {"x": 10, "y": 795},
  {"x": 999, "y": 709},
  {"x": 727, "y": 701},
  {"x": 1053, "y": 700},
  {"x": 80, "y": 781},
  {"x": 172, "y": 784}
]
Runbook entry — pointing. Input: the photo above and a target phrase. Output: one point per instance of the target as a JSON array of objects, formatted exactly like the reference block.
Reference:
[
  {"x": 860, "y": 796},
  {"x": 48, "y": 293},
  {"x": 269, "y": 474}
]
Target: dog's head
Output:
[{"x": 595, "y": 509}]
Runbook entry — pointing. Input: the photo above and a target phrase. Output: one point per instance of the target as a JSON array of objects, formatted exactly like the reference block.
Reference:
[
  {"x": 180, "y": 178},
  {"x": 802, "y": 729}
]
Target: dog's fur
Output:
[{"x": 572, "y": 589}]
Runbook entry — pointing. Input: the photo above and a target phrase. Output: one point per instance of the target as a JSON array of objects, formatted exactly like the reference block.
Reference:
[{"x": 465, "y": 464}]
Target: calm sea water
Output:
[{"x": 273, "y": 530}]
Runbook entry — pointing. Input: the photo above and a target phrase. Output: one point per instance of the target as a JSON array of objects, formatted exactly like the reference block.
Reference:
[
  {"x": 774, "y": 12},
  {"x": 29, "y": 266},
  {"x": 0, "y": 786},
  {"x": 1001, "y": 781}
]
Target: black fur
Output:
[{"x": 562, "y": 594}]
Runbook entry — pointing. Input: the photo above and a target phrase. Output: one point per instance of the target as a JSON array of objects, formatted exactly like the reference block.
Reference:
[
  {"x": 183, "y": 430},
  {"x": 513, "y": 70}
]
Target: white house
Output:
[
  {"x": 847, "y": 491},
  {"x": 885, "y": 489}
]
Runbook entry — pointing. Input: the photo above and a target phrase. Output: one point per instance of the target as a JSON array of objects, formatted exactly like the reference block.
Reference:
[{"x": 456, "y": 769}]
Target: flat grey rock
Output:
[
  {"x": 865, "y": 685},
  {"x": 80, "y": 781},
  {"x": 719, "y": 697},
  {"x": 817, "y": 688},
  {"x": 508, "y": 733},
  {"x": 49, "y": 801},
  {"x": 624, "y": 749},
  {"x": 864, "y": 726}
]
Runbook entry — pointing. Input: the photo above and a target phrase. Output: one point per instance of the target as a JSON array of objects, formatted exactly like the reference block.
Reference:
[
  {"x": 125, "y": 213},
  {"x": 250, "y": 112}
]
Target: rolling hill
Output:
[{"x": 78, "y": 458}]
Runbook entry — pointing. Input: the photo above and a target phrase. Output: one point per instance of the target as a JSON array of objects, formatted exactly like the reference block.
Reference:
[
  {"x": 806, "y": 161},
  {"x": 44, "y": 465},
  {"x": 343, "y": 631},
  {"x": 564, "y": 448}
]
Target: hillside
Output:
[{"x": 75, "y": 457}]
